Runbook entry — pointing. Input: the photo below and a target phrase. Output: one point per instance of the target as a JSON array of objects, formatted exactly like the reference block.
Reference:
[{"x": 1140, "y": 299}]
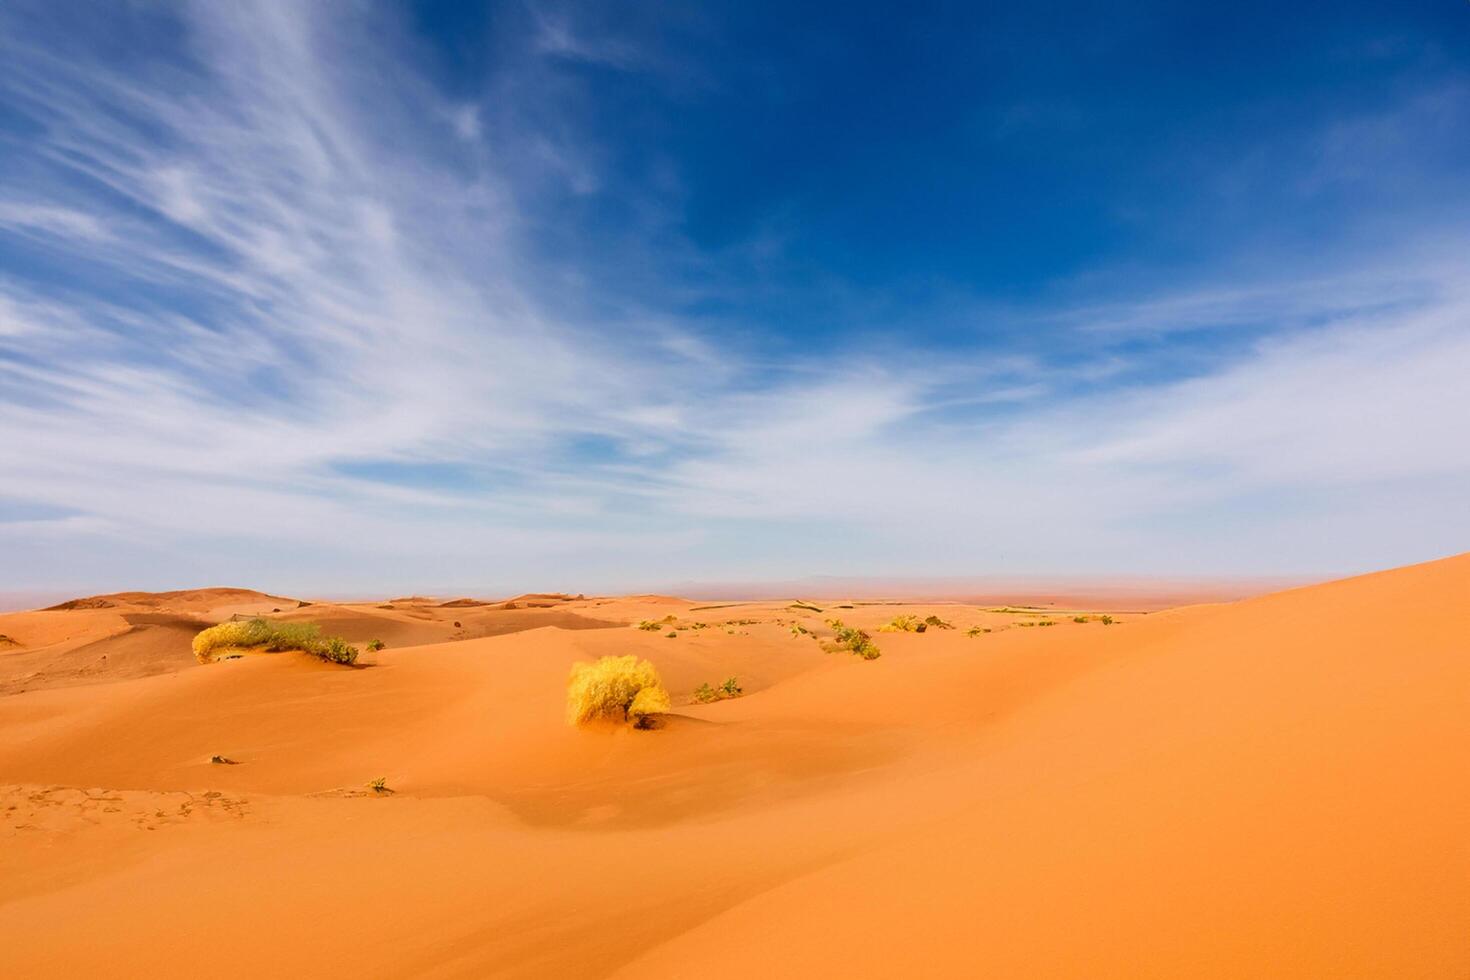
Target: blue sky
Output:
[{"x": 355, "y": 297}]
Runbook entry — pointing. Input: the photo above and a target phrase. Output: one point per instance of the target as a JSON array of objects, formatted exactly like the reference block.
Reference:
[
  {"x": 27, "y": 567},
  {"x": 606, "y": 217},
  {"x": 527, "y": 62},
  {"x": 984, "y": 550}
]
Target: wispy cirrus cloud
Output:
[{"x": 285, "y": 324}]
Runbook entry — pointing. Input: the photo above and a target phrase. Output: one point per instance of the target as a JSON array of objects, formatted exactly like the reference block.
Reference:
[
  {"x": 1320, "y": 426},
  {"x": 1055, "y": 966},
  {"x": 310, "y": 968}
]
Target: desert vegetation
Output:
[
  {"x": 375, "y": 645},
  {"x": 704, "y": 694},
  {"x": 615, "y": 689},
  {"x": 977, "y": 630},
  {"x": 907, "y": 623},
  {"x": 264, "y": 635},
  {"x": 851, "y": 639}
]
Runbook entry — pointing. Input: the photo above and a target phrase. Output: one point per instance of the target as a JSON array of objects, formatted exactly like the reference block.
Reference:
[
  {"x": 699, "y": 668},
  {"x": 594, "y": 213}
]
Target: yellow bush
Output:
[
  {"x": 263, "y": 634},
  {"x": 619, "y": 688}
]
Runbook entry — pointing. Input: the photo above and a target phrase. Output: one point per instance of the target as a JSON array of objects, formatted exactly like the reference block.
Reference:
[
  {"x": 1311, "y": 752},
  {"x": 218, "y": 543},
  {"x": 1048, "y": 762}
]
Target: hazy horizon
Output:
[{"x": 1159, "y": 590}]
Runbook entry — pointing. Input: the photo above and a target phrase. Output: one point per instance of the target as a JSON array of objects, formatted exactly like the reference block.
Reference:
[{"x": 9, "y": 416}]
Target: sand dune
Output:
[{"x": 1268, "y": 788}]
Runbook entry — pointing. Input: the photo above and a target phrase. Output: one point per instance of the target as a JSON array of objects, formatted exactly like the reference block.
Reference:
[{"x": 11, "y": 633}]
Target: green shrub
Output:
[
  {"x": 336, "y": 650},
  {"x": 379, "y": 785},
  {"x": 268, "y": 636},
  {"x": 937, "y": 623},
  {"x": 1106, "y": 620},
  {"x": 853, "y": 640},
  {"x": 375, "y": 645},
  {"x": 977, "y": 630},
  {"x": 731, "y": 688}
]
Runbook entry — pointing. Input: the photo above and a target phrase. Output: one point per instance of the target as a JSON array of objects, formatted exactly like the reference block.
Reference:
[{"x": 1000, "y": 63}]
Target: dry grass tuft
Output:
[
  {"x": 265, "y": 635},
  {"x": 615, "y": 688}
]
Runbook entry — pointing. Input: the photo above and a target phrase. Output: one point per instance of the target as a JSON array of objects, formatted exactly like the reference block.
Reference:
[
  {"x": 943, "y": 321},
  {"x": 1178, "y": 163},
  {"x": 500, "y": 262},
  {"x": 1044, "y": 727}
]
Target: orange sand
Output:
[{"x": 1270, "y": 788}]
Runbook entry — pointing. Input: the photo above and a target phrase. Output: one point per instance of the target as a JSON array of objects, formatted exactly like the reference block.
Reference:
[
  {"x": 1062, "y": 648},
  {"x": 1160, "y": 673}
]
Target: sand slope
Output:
[{"x": 1273, "y": 787}]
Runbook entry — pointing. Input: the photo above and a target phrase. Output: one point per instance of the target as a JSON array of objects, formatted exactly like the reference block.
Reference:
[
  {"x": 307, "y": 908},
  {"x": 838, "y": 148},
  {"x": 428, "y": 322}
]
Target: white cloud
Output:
[
  {"x": 340, "y": 296},
  {"x": 60, "y": 222},
  {"x": 466, "y": 122}
]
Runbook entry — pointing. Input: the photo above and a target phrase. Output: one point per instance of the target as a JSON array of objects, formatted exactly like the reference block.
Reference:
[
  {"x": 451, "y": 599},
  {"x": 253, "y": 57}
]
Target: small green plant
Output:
[
  {"x": 375, "y": 645},
  {"x": 270, "y": 636},
  {"x": 615, "y": 688},
  {"x": 379, "y": 785},
  {"x": 937, "y": 623},
  {"x": 977, "y": 630},
  {"x": 853, "y": 640},
  {"x": 799, "y": 630},
  {"x": 1079, "y": 619},
  {"x": 731, "y": 688},
  {"x": 650, "y": 626},
  {"x": 672, "y": 635},
  {"x": 1106, "y": 620},
  {"x": 1039, "y": 622}
]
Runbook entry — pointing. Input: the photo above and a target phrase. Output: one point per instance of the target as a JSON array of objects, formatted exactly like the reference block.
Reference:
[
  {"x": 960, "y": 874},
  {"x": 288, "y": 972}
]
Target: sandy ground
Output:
[{"x": 1274, "y": 787}]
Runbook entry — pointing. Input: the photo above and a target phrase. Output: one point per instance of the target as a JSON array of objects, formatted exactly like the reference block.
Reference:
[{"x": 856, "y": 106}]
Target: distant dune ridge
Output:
[{"x": 1273, "y": 787}]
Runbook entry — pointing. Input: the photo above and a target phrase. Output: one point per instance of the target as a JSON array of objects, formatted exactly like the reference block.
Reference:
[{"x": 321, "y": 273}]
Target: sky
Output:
[{"x": 388, "y": 297}]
